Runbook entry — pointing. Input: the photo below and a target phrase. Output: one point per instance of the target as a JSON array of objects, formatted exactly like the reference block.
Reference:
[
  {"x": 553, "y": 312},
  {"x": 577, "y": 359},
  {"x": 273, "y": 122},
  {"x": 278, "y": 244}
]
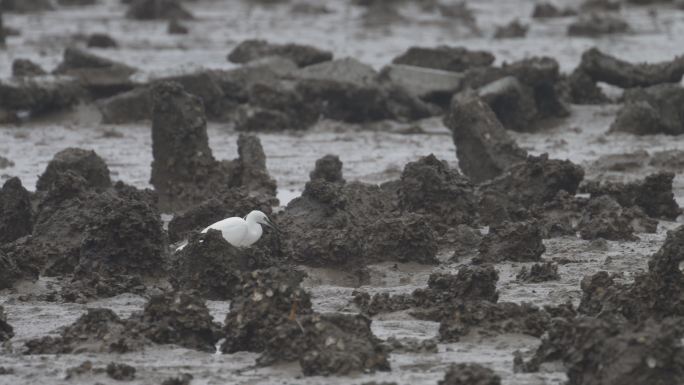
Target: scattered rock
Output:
[
  {"x": 670, "y": 160},
  {"x": 176, "y": 28},
  {"x": 456, "y": 59},
  {"x": 328, "y": 168},
  {"x": 517, "y": 241},
  {"x": 26, "y": 68},
  {"x": 603, "y": 218},
  {"x": 5, "y": 163},
  {"x": 539, "y": 272},
  {"x": 84, "y": 163},
  {"x": 597, "y": 25},
  {"x": 39, "y": 96},
  {"x": 126, "y": 107},
  {"x": 580, "y": 88},
  {"x": 16, "y": 215},
  {"x": 120, "y": 372},
  {"x": 6, "y": 330},
  {"x": 26, "y": 6},
  {"x": 275, "y": 109},
  {"x": 469, "y": 374},
  {"x": 101, "y": 76},
  {"x": 515, "y": 29},
  {"x": 302, "y": 55},
  {"x": 623, "y": 162},
  {"x": 181, "y": 379},
  {"x": 431, "y": 85},
  {"x": 483, "y": 147},
  {"x": 609, "y": 69},
  {"x": 156, "y": 9},
  {"x": 651, "y": 110},
  {"x": 101, "y": 40},
  {"x": 548, "y": 10}
]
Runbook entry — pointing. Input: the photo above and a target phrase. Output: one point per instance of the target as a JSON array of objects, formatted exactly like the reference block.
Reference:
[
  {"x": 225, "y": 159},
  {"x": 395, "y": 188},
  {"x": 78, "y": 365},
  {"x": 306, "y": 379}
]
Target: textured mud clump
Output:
[
  {"x": 97, "y": 331},
  {"x": 274, "y": 108},
  {"x": 212, "y": 266},
  {"x": 512, "y": 241},
  {"x": 429, "y": 187},
  {"x": 184, "y": 170},
  {"x": 351, "y": 224},
  {"x": 651, "y": 110},
  {"x": 653, "y": 194},
  {"x": 471, "y": 283},
  {"x": 100, "y": 76},
  {"x": 302, "y": 55},
  {"x": 6, "y": 330},
  {"x": 604, "y": 218},
  {"x": 328, "y": 168},
  {"x": 13, "y": 267},
  {"x": 596, "y": 25},
  {"x": 26, "y": 68},
  {"x": 469, "y": 374},
  {"x": 179, "y": 318},
  {"x": 655, "y": 294},
  {"x": 15, "y": 211},
  {"x": 539, "y": 272},
  {"x": 483, "y": 146},
  {"x": 155, "y": 9},
  {"x": 457, "y": 59},
  {"x": 120, "y": 372},
  {"x": 84, "y": 163}
]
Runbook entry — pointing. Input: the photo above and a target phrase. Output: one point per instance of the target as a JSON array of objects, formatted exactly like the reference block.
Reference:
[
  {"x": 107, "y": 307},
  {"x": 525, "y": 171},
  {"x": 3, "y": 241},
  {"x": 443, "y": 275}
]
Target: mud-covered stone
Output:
[
  {"x": 651, "y": 110},
  {"x": 120, "y": 372},
  {"x": 328, "y": 168},
  {"x": 445, "y": 58},
  {"x": 275, "y": 108},
  {"x": 101, "y": 40},
  {"x": 653, "y": 194},
  {"x": 514, "y": 29},
  {"x": 85, "y": 163},
  {"x": 101, "y": 76},
  {"x": 26, "y": 6},
  {"x": 16, "y": 214},
  {"x": 603, "y": 218},
  {"x": 580, "y": 88},
  {"x": 156, "y": 9},
  {"x": 177, "y": 28},
  {"x": 126, "y": 107},
  {"x": 39, "y": 96},
  {"x": 302, "y": 55},
  {"x": 594, "y": 25},
  {"x": 85, "y": 286},
  {"x": 469, "y": 374},
  {"x": 483, "y": 147},
  {"x": 602, "y": 67},
  {"x": 430, "y": 187},
  {"x": 512, "y": 241},
  {"x": 6, "y": 330},
  {"x": 548, "y": 10},
  {"x": 26, "y": 68},
  {"x": 539, "y": 272},
  {"x": 211, "y": 266}
]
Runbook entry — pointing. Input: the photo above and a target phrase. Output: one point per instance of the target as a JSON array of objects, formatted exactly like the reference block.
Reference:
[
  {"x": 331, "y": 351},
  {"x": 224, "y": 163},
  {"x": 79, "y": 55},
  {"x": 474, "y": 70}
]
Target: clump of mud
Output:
[
  {"x": 120, "y": 372},
  {"x": 155, "y": 9},
  {"x": 6, "y": 330},
  {"x": 651, "y": 110},
  {"x": 100, "y": 76},
  {"x": 16, "y": 214},
  {"x": 352, "y": 224},
  {"x": 26, "y": 68},
  {"x": 457, "y": 59},
  {"x": 469, "y": 374},
  {"x": 539, "y": 272},
  {"x": 301, "y": 55},
  {"x": 512, "y": 241},
  {"x": 595, "y": 25}
]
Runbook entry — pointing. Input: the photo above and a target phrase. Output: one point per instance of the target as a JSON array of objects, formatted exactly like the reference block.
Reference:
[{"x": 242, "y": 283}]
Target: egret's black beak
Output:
[{"x": 273, "y": 226}]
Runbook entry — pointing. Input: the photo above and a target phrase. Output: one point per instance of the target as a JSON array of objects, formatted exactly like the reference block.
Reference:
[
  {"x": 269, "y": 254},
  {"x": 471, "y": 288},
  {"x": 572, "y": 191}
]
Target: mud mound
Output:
[
  {"x": 6, "y": 330},
  {"x": 595, "y": 25},
  {"x": 652, "y": 110},
  {"x": 120, "y": 372},
  {"x": 86, "y": 285},
  {"x": 603, "y": 218},
  {"x": 11, "y": 270},
  {"x": 264, "y": 299},
  {"x": 101, "y": 76},
  {"x": 38, "y": 96},
  {"x": 275, "y": 108},
  {"x": 97, "y": 331},
  {"x": 328, "y": 168},
  {"x": 26, "y": 6},
  {"x": 212, "y": 266},
  {"x": 15, "y": 211},
  {"x": 26, "y": 68},
  {"x": 302, "y": 55},
  {"x": 512, "y": 241},
  {"x": 457, "y": 59},
  {"x": 429, "y": 187},
  {"x": 539, "y": 272},
  {"x": 653, "y": 194},
  {"x": 85, "y": 163},
  {"x": 483, "y": 147},
  {"x": 155, "y": 9},
  {"x": 580, "y": 88},
  {"x": 179, "y": 318},
  {"x": 469, "y": 374},
  {"x": 471, "y": 283},
  {"x": 549, "y": 10}
]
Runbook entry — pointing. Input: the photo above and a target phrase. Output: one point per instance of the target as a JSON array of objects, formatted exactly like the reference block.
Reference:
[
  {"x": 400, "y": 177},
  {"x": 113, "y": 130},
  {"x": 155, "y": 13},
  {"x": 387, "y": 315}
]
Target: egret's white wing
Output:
[{"x": 233, "y": 229}]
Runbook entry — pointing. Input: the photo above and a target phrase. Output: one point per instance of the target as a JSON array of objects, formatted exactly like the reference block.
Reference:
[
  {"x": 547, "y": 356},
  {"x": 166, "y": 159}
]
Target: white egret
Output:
[{"x": 242, "y": 232}]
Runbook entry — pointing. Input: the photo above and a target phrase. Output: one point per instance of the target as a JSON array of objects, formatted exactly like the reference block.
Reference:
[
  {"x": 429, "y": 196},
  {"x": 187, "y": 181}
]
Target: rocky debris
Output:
[
  {"x": 84, "y": 163},
  {"x": 211, "y": 266},
  {"x": 26, "y": 68},
  {"x": 6, "y": 330},
  {"x": 601, "y": 5},
  {"x": 274, "y": 108},
  {"x": 352, "y": 224},
  {"x": 120, "y": 372},
  {"x": 85, "y": 286},
  {"x": 15, "y": 211},
  {"x": 542, "y": 75},
  {"x": 548, "y": 10},
  {"x": 603, "y": 217},
  {"x": 558, "y": 217},
  {"x": 232, "y": 203},
  {"x": 26, "y": 6},
  {"x": 184, "y": 169},
  {"x": 483, "y": 147},
  {"x": 512, "y": 241},
  {"x": 670, "y": 160},
  {"x": 651, "y": 110},
  {"x": 350, "y": 91},
  {"x": 623, "y": 162},
  {"x": 455, "y": 59},
  {"x": 431, "y": 85},
  {"x": 471, "y": 283},
  {"x": 5, "y": 163},
  {"x": 514, "y": 29},
  {"x": 126, "y": 107},
  {"x": 595, "y": 25},
  {"x": 181, "y": 379},
  {"x": 302, "y": 55},
  {"x": 16, "y": 265},
  {"x": 655, "y": 294},
  {"x": 97, "y": 331},
  {"x": 179, "y": 318},
  {"x": 653, "y": 194},
  {"x": 101, "y": 76},
  {"x": 76, "y": 3},
  {"x": 602, "y": 67},
  {"x": 207, "y": 86},
  {"x": 157, "y": 9},
  {"x": 539, "y": 272},
  {"x": 606, "y": 351},
  {"x": 469, "y": 374},
  {"x": 38, "y": 96},
  {"x": 431, "y": 188},
  {"x": 306, "y": 8},
  {"x": 177, "y": 28},
  {"x": 84, "y": 369},
  {"x": 464, "y": 239},
  {"x": 328, "y": 168},
  {"x": 580, "y": 88},
  {"x": 411, "y": 345},
  {"x": 101, "y": 40}
]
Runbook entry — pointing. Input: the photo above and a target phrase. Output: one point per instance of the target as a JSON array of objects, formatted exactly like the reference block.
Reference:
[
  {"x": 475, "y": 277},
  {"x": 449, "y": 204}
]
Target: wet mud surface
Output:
[{"x": 466, "y": 193}]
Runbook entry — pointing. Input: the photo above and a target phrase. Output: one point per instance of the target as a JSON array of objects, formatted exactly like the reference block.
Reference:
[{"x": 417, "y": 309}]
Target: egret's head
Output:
[{"x": 260, "y": 218}]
